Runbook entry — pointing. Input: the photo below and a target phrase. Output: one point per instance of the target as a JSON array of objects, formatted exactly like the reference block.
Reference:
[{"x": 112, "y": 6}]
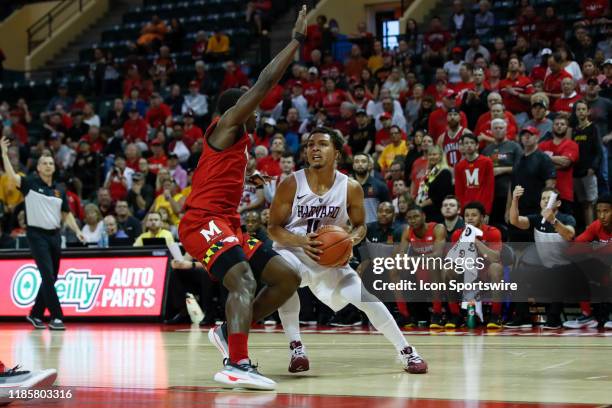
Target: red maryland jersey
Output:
[
  {"x": 450, "y": 146},
  {"x": 425, "y": 244},
  {"x": 218, "y": 181},
  {"x": 595, "y": 233}
]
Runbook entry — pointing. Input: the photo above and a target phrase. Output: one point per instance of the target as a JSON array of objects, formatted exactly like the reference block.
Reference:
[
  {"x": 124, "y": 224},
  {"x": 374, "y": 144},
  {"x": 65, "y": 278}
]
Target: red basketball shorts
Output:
[{"x": 207, "y": 237}]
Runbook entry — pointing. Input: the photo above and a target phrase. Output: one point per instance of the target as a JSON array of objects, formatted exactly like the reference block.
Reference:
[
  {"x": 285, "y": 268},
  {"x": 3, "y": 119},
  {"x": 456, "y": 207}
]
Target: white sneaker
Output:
[
  {"x": 583, "y": 322},
  {"x": 608, "y": 325},
  {"x": 218, "y": 337},
  {"x": 412, "y": 361},
  {"x": 243, "y": 376},
  {"x": 14, "y": 380}
]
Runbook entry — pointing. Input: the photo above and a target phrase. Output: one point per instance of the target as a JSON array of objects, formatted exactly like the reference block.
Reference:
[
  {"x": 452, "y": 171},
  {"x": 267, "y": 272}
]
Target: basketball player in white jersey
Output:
[{"x": 310, "y": 199}]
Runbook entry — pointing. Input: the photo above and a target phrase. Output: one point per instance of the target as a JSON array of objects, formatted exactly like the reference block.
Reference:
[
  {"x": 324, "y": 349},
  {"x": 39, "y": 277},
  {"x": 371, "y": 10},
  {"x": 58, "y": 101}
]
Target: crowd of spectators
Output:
[{"x": 416, "y": 118}]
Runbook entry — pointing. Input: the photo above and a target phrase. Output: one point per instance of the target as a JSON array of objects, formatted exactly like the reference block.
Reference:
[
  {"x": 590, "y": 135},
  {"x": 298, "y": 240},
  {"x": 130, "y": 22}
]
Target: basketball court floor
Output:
[{"x": 138, "y": 365}]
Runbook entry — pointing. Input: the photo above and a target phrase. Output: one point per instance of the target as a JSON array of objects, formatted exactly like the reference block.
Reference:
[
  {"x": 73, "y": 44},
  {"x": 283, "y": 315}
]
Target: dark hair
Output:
[
  {"x": 452, "y": 197},
  {"x": 475, "y": 205},
  {"x": 469, "y": 136},
  {"x": 228, "y": 99},
  {"x": 333, "y": 136},
  {"x": 414, "y": 207},
  {"x": 287, "y": 155},
  {"x": 367, "y": 156},
  {"x": 604, "y": 199}
]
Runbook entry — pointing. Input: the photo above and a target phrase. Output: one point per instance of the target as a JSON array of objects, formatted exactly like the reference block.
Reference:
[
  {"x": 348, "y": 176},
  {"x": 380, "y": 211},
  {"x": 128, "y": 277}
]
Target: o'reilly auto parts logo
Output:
[{"x": 78, "y": 288}]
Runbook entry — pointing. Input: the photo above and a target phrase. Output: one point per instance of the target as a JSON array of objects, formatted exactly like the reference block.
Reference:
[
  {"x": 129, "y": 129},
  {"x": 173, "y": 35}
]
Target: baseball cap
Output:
[
  {"x": 457, "y": 50},
  {"x": 156, "y": 142},
  {"x": 361, "y": 112},
  {"x": 545, "y": 51},
  {"x": 270, "y": 122},
  {"x": 453, "y": 110},
  {"x": 607, "y": 62},
  {"x": 298, "y": 83},
  {"x": 541, "y": 103},
  {"x": 385, "y": 115},
  {"x": 84, "y": 140},
  {"x": 193, "y": 84},
  {"x": 313, "y": 70},
  {"x": 530, "y": 129}
]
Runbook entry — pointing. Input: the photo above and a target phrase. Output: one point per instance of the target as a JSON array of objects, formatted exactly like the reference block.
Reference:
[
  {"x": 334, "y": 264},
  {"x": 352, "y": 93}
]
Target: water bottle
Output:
[
  {"x": 103, "y": 239},
  {"x": 471, "y": 315},
  {"x": 193, "y": 308}
]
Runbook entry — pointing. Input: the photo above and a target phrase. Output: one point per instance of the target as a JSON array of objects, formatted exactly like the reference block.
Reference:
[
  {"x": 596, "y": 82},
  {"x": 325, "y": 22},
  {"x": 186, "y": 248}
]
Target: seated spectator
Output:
[
  {"x": 119, "y": 179},
  {"x": 112, "y": 231},
  {"x": 376, "y": 60},
  {"x": 158, "y": 114},
  {"x": 179, "y": 145},
  {"x": 158, "y": 159},
  {"x": 152, "y": 33},
  {"x": 483, "y": 130},
  {"x": 20, "y": 226},
  {"x": 568, "y": 63},
  {"x": 568, "y": 98},
  {"x": 294, "y": 99},
  {"x": 200, "y": 75},
  {"x": 253, "y": 226},
  {"x": 476, "y": 49},
  {"x": 139, "y": 198},
  {"x": 436, "y": 41},
  {"x": 195, "y": 102},
  {"x": 484, "y": 20},
  {"x": 484, "y": 121},
  {"x": 117, "y": 116},
  {"x": 175, "y": 100},
  {"x": 538, "y": 72},
  {"x": 395, "y": 83},
  {"x": 169, "y": 199},
  {"x": 527, "y": 23},
  {"x": 389, "y": 110},
  {"x": 396, "y": 147},
  {"x": 383, "y": 135},
  {"x": 63, "y": 155},
  {"x": 218, "y": 45},
  {"x": 176, "y": 171},
  {"x": 369, "y": 83},
  {"x": 153, "y": 229},
  {"x": 270, "y": 165},
  {"x": 594, "y": 9},
  {"x": 589, "y": 72},
  {"x": 95, "y": 139},
  {"x": 135, "y": 128},
  {"x": 460, "y": 23},
  {"x": 163, "y": 67},
  {"x": 132, "y": 81},
  {"x": 93, "y": 226},
  {"x": 466, "y": 81},
  {"x": 134, "y": 101},
  {"x": 355, "y": 63},
  {"x": 234, "y": 77},
  {"x": 263, "y": 135},
  {"x": 550, "y": 28},
  {"x": 258, "y": 11},
  {"x": 360, "y": 97},
  {"x": 198, "y": 49},
  {"x": 62, "y": 99},
  {"x": 192, "y": 131}
]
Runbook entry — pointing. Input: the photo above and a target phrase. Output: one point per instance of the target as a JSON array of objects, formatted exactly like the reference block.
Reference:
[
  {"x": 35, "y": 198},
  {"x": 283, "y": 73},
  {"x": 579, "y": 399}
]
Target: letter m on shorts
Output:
[{"x": 211, "y": 232}]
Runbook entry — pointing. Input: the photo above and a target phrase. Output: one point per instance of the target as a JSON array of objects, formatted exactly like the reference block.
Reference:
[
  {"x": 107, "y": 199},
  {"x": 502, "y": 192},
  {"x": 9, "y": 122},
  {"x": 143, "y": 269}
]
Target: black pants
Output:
[{"x": 46, "y": 251}]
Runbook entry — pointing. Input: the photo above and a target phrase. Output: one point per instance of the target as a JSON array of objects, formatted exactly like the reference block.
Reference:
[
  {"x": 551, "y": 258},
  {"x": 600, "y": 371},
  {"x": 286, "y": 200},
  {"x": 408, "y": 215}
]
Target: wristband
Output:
[{"x": 299, "y": 37}]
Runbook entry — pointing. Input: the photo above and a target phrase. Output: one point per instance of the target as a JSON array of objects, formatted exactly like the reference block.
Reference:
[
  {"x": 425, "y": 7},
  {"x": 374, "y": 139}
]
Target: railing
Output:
[{"x": 43, "y": 29}]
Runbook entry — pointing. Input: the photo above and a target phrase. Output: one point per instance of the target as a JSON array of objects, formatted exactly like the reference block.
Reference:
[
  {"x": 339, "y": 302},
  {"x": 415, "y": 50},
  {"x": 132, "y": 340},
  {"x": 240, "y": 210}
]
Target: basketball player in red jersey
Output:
[
  {"x": 489, "y": 246},
  {"x": 210, "y": 230},
  {"x": 450, "y": 140},
  {"x": 598, "y": 231},
  {"x": 427, "y": 239}
]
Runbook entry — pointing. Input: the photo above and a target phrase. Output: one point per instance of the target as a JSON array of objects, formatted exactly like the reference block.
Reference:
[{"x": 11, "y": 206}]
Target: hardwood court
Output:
[{"x": 123, "y": 365}]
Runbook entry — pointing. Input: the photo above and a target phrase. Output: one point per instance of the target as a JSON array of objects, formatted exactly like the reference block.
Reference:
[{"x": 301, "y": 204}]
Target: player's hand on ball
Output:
[
  {"x": 310, "y": 245},
  {"x": 300, "y": 24}
]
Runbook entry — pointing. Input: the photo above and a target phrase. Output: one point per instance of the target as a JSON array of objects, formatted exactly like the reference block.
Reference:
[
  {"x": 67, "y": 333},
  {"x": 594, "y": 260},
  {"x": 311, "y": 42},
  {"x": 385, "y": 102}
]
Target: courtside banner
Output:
[{"x": 130, "y": 286}]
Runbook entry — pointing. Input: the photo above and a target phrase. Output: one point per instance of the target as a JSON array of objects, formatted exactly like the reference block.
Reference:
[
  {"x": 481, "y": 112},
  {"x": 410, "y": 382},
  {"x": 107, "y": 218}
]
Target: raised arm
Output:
[
  {"x": 8, "y": 167},
  {"x": 515, "y": 218},
  {"x": 236, "y": 116}
]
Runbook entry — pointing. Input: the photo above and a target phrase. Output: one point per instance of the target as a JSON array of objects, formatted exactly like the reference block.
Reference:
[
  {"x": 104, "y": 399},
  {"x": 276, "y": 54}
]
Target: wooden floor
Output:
[{"x": 121, "y": 365}]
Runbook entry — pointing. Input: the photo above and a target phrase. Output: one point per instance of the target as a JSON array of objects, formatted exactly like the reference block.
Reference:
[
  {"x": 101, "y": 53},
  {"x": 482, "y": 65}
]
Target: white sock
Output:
[
  {"x": 289, "y": 314},
  {"x": 353, "y": 290}
]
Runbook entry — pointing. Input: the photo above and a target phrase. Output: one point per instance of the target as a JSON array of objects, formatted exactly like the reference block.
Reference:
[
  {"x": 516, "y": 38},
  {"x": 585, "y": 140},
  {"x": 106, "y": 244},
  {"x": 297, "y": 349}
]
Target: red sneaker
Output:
[
  {"x": 413, "y": 362},
  {"x": 299, "y": 360}
]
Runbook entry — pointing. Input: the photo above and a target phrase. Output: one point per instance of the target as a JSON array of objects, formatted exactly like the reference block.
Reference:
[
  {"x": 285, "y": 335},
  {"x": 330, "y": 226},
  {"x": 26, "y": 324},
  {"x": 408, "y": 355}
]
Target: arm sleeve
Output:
[
  {"x": 26, "y": 185},
  {"x": 65, "y": 206},
  {"x": 533, "y": 219}
]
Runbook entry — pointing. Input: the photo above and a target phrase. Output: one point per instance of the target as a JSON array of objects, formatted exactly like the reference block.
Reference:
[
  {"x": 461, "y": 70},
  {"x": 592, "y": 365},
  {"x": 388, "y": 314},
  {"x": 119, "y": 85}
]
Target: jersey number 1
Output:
[{"x": 313, "y": 225}]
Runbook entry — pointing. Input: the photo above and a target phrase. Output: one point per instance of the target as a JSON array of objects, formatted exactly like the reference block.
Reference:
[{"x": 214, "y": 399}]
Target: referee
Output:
[{"x": 46, "y": 207}]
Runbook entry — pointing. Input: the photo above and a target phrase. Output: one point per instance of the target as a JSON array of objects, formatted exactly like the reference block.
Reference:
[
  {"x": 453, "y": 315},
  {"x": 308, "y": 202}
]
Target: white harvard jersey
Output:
[{"x": 311, "y": 211}]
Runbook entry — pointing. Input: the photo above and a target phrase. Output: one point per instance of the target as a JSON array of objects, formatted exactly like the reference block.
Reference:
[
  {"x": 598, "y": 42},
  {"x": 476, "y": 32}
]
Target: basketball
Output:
[{"x": 336, "y": 245}]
